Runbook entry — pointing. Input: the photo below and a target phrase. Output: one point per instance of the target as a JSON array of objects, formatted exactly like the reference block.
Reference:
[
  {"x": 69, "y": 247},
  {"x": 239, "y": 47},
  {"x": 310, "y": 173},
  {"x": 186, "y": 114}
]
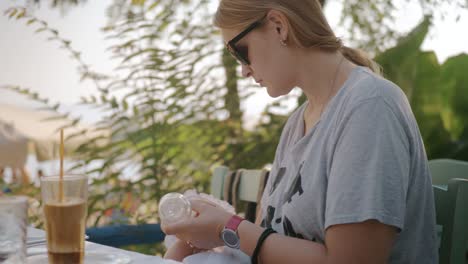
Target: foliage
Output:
[
  {"x": 163, "y": 109},
  {"x": 160, "y": 109},
  {"x": 156, "y": 91},
  {"x": 438, "y": 93},
  {"x": 58, "y": 3},
  {"x": 372, "y": 23}
]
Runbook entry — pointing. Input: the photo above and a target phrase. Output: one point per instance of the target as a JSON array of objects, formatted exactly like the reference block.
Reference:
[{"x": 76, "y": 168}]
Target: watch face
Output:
[{"x": 230, "y": 238}]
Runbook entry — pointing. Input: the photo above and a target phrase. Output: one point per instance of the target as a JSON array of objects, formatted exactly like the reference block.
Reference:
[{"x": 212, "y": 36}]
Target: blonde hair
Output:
[{"x": 309, "y": 27}]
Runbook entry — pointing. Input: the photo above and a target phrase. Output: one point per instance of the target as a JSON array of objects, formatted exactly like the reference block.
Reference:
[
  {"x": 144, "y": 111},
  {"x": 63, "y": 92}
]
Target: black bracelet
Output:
[{"x": 260, "y": 241}]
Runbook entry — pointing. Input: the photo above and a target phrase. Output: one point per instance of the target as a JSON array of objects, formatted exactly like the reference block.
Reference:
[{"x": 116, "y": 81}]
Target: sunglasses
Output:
[{"x": 241, "y": 53}]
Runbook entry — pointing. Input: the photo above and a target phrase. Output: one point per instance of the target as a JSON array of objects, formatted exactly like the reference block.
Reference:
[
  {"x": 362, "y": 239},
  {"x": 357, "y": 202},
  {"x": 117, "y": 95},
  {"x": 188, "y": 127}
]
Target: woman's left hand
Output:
[{"x": 202, "y": 231}]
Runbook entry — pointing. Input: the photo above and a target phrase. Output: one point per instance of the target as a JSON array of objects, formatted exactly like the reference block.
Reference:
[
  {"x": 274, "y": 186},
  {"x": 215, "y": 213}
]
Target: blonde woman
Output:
[{"x": 350, "y": 181}]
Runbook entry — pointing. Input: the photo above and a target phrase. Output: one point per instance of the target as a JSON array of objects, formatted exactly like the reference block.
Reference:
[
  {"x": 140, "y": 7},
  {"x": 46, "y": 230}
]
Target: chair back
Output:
[
  {"x": 450, "y": 185},
  {"x": 239, "y": 188},
  {"x": 442, "y": 170},
  {"x": 217, "y": 181}
]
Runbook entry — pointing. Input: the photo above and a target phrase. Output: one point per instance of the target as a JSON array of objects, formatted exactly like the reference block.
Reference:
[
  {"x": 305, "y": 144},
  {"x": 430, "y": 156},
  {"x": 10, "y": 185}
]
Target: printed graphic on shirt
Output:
[
  {"x": 278, "y": 179},
  {"x": 289, "y": 230},
  {"x": 266, "y": 222},
  {"x": 296, "y": 186}
]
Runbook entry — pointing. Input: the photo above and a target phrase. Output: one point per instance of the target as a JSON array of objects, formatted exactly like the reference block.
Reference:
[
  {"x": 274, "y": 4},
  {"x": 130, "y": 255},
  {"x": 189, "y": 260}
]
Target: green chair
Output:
[
  {"x": 217, "y": 181},
  {"x": 241, "y": 188},
  {"x": 450, "y": 184},
  {"x": 442, "y": 170}
]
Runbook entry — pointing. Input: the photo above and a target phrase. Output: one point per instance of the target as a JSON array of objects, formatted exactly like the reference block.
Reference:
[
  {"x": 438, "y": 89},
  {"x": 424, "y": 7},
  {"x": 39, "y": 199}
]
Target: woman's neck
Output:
[{"x": 320, "y": 75}]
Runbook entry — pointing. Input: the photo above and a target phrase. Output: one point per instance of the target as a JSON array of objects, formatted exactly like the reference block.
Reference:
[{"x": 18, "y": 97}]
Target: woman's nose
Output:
[{"x": 246, "y": 70}]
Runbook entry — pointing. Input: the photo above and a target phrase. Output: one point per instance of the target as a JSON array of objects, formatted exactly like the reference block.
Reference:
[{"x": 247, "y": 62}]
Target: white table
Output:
[{"x": 137, "y": 258}]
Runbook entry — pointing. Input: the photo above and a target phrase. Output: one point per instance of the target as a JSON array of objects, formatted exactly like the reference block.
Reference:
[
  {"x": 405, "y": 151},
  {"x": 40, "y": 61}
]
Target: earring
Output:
[{"x": 283, "y": 43}]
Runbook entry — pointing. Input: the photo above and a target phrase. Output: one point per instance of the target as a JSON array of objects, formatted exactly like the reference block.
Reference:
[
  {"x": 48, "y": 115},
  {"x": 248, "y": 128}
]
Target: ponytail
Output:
[{"x": 360, "y": 58}]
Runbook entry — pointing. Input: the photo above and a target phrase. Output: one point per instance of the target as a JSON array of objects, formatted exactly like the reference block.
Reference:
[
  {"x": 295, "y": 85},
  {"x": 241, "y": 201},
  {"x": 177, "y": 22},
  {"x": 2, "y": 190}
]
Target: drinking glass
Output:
[
  {"x": 65, "y": 208},
  {"x": 13, "y": 223}
]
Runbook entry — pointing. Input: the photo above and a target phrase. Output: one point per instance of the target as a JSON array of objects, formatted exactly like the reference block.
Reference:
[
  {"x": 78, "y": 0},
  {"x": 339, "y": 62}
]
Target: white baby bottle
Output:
[{"x": 174, "y": 207}]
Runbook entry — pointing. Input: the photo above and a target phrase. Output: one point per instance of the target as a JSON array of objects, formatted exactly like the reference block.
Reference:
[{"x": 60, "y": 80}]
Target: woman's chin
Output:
[{"x": 273, "y": 92}]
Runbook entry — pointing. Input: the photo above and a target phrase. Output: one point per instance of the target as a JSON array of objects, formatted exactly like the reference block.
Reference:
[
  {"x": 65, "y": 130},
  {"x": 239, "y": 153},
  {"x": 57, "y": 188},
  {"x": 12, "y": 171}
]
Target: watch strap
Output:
[{"x": 234, "y": 222}]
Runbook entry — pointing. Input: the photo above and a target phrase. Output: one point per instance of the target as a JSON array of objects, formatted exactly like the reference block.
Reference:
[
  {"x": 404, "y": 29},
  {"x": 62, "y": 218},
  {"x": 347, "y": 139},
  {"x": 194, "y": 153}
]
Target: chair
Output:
[
  {"x": 217, "y": 181},
  {"x": 442, "y": 170},
  {"x": 450, "y": 185},
  {"x": 239, "y": 188}
]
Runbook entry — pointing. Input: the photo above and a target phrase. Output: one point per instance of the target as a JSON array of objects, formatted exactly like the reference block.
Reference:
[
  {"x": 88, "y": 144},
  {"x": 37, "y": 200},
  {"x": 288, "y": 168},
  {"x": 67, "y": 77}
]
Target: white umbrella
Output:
[
  {"x": 38, "y": 127},
  {"x": 13, "y": 147}
]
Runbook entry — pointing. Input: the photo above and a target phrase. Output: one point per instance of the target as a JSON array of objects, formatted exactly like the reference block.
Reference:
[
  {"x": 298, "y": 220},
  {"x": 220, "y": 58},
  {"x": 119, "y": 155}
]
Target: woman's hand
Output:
[
  {"x": 178, "y": 251},
  {"x": 202, "y": 231}
]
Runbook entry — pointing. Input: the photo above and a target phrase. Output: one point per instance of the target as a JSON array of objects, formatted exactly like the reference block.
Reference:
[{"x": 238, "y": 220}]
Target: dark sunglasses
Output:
[{"x": 241, "y": 53}]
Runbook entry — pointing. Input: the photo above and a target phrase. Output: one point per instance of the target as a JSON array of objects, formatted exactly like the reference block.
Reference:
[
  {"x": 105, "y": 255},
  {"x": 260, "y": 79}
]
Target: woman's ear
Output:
[{"x": 280, "y": 23}]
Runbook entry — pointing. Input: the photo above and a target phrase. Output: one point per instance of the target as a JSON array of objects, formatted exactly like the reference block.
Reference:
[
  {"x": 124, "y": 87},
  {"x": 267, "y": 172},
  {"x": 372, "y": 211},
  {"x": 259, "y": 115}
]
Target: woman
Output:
[{"x": 350, "y": 181}]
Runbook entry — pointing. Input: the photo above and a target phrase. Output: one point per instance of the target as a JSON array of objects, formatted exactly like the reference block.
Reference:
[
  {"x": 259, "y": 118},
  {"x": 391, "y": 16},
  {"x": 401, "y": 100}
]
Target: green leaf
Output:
[
  {"x": 21, "y": 14},
  {"x": 12, "y": 13},
  {"x": 397, "y": 62},
  {"x": 138, "y": 2},
  {"x": 31, "y": 21},
  {"x": 39, "y": 30}
]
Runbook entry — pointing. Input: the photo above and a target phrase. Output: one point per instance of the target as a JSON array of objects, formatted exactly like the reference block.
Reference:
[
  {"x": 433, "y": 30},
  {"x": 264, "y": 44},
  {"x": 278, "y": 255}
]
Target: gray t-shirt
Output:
[{"x": 363, "y": 160}]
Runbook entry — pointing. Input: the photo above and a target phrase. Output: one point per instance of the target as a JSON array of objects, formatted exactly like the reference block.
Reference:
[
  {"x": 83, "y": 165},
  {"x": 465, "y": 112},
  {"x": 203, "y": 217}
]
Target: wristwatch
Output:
[{"x": 229, "y": 234}]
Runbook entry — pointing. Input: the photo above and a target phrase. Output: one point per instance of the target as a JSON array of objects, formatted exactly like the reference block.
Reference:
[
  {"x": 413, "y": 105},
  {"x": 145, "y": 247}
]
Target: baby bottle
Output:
[{"x": 174, "y": 207}]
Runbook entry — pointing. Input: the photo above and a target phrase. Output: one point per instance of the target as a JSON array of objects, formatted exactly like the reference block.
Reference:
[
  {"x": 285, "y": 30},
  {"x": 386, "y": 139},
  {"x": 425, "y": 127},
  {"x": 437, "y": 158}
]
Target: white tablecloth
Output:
[{"x": 137, "y": 258}]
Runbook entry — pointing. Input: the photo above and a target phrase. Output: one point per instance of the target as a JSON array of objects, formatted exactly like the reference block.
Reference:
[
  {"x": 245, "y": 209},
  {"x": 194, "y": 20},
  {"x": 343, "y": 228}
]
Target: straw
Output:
[{"x": 61, "y": 166}]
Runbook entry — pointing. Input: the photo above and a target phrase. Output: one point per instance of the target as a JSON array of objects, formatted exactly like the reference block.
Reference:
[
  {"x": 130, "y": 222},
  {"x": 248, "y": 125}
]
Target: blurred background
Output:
[{"x": 150, "y": 100}]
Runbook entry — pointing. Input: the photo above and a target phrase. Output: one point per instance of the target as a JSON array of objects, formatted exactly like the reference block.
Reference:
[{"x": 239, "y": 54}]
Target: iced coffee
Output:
[{"x": 65, "y": 208}]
